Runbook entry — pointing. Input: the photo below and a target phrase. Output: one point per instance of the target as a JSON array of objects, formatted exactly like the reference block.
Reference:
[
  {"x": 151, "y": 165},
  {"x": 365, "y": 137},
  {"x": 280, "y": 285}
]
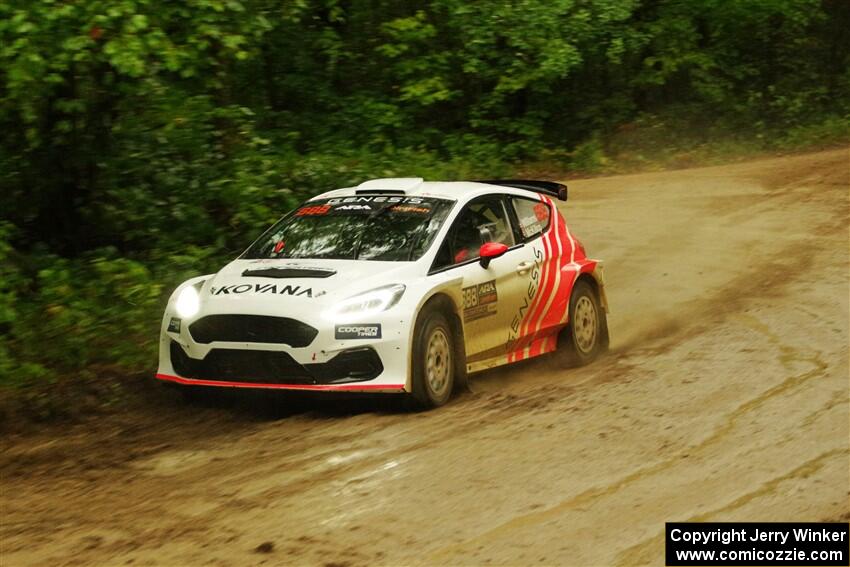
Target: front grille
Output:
[
  {"x": 234, "y": 365},
  {"x": 252, "y": 329},
  {"x": 272, "y": 367}
]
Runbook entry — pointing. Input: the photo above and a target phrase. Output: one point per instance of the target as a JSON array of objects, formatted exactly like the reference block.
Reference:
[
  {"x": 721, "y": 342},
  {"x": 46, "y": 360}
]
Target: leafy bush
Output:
[
  {"x": 11, "y": 281},
  {"x": 99, "y": 309},
  {"x": 830, "y": 131},
  {"x": 145, "y": 142},
  {"x": 589, "y": 156}
]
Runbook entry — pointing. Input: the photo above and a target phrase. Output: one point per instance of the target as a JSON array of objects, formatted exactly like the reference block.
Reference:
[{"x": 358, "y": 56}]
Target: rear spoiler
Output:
[{"x": 551, "y": 188}]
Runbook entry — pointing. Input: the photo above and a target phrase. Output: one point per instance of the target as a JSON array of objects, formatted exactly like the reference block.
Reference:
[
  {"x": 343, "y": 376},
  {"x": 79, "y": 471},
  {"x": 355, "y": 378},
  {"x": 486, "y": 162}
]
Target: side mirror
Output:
[{"x": 490, "y": 250}]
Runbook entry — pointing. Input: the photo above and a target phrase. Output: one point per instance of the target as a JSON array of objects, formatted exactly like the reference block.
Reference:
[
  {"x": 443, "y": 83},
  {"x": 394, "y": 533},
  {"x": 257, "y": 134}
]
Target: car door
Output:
[
  {"x": 492, "y": 296},
  {"x": 534, "y": 328}
]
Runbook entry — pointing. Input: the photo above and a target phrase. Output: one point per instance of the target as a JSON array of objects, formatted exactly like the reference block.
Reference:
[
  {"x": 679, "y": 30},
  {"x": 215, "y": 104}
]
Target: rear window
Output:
[
  {"x": 533, "y": 216},
  {"x": 379, "y": 227}
]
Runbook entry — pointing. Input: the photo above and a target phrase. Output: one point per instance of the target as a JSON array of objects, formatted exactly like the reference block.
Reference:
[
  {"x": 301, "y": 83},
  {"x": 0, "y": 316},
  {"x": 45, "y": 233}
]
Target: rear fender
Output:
[{"x": 594, "y": 269}]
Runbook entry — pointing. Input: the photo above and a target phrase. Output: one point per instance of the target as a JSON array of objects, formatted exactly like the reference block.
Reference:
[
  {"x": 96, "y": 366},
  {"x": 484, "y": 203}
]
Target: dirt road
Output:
[{"x": 725, "y": 397}]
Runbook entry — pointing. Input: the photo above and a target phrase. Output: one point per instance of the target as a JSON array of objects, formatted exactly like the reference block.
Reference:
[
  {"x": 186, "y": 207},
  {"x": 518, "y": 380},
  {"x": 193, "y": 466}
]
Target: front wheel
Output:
[
  {"x": 433, "y": 360},
  {"x": 587, "y": 332}
]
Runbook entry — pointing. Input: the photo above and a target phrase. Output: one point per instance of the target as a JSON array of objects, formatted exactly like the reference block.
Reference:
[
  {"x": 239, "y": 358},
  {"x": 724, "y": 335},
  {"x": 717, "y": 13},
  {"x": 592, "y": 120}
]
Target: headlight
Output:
[
  {"x": 365, "y": 304},
  {"x": 188, "y": 302}
]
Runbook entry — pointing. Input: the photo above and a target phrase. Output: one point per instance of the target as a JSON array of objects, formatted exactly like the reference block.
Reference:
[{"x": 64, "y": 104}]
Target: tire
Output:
[
  {"x": 586, "y": 335},
  {"x": 434, "y": 360}
]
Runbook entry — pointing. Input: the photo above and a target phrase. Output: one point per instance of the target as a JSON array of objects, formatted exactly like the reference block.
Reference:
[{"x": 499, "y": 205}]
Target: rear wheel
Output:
[
  {"x": 586, "y": 335},
  {"x": 433, "y": 359}
]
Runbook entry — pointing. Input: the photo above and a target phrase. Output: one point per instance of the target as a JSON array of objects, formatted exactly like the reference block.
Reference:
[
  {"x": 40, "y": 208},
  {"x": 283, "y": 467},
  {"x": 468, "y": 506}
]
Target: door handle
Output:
[{"x": 523, "y": 267}]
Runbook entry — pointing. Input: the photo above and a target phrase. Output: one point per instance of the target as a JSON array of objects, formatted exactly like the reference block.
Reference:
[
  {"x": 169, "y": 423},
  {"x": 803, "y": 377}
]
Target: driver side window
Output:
[{"x": 483, "y": 220}]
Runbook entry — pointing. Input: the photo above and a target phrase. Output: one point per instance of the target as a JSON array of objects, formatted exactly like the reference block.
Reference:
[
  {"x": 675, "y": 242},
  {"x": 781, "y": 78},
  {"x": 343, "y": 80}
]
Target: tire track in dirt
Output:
[
  {"x": 788, "y": 355},
  {"x": 645, "y": 552}
]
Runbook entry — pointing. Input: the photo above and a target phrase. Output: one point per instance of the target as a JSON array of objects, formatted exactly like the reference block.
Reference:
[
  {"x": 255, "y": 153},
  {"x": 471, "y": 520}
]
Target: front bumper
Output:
[{"x": 327, "y": 363}]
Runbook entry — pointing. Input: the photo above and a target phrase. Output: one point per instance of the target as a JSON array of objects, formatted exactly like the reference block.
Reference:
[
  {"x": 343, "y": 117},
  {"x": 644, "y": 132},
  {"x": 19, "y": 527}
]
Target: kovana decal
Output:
[
  {"x": 479, "y": 301},
  {"x": 262, "y": 288}
]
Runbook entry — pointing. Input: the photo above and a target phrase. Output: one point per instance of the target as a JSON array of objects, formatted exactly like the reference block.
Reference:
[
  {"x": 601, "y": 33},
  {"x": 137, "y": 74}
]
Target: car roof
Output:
[{"x": 418, "y": 187}]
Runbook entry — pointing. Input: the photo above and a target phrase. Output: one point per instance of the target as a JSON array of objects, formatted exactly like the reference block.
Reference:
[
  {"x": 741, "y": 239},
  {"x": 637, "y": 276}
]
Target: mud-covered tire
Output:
[
  {"x": 586, "y": 334},
  {"x": 434, "y": 360}
]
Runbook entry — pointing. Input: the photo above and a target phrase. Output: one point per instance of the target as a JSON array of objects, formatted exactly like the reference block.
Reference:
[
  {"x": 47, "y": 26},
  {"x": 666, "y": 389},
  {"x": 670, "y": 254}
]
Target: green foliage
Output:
[
  {"x": 589, "y": 156},
  {"x": 10, "y": 282},
  {"x": 142, "y": 141},
  {"x": 77, "y": 311},
  {"x": 830, "y": 131}
]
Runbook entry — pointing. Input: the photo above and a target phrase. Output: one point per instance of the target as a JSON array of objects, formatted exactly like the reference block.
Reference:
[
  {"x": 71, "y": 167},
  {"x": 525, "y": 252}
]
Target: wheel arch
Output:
[
  {"x": 594, "y": 275},
  {"x": 596, "y": 282},
  {"x": 442, "y": 300}
]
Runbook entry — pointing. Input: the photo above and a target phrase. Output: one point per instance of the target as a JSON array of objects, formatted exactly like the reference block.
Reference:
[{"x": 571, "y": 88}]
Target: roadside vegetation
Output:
[{"x": 142, "y": 142}]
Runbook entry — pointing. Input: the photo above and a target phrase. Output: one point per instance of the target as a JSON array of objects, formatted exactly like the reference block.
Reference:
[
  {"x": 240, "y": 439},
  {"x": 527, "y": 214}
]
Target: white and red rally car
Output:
[{"x": 395, "y": 286}]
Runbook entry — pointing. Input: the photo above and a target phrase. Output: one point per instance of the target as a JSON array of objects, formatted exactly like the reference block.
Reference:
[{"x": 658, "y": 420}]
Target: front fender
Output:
[{"x": 449, "y": 287}]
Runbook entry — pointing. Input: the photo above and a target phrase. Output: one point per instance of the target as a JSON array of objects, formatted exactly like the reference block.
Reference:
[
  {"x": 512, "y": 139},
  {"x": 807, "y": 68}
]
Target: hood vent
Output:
[{"x": 282, "y": 273}]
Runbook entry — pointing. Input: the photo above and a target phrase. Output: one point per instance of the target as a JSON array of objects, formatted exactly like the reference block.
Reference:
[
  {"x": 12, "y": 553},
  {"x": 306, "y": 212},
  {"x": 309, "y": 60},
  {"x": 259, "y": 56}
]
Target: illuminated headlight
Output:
[
  {"x": 365, "y": 304},
  {"x": 188, "y": 302}
]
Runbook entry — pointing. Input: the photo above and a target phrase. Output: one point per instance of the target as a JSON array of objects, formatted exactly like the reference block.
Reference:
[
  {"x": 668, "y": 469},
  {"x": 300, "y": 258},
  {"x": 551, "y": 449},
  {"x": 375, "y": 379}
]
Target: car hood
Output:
[{"x": 253, "y": 286}]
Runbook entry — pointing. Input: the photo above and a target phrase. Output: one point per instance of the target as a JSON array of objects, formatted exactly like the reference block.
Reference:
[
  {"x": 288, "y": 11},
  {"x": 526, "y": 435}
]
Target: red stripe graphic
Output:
[
  {"x": 560, "y": 298},
  {"x": 521, "y": 340},
  {"x": 551, "y": 279},
  {"x": 313, "y": 387},
  {"x": 543, "y": 290},
  {"x": 542, "y": 327},
  {"x": 562, "y": 263}
]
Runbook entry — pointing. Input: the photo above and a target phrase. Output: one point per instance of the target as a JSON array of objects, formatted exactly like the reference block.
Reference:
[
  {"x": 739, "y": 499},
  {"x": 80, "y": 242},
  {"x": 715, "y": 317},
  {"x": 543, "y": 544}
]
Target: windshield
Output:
[{"x": 379, "y": 227}]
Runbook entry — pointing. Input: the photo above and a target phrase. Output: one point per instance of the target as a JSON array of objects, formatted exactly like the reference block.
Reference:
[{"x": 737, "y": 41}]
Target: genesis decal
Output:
[
  {"x": 345, "y": 332},
  {"x": 527, "y": 300},
  {"x": 479, "y": 301},
  {"x": 377, "y": 199},
  {"x": 367, "y": 205},
  {"x": 262, "y": 288}
]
